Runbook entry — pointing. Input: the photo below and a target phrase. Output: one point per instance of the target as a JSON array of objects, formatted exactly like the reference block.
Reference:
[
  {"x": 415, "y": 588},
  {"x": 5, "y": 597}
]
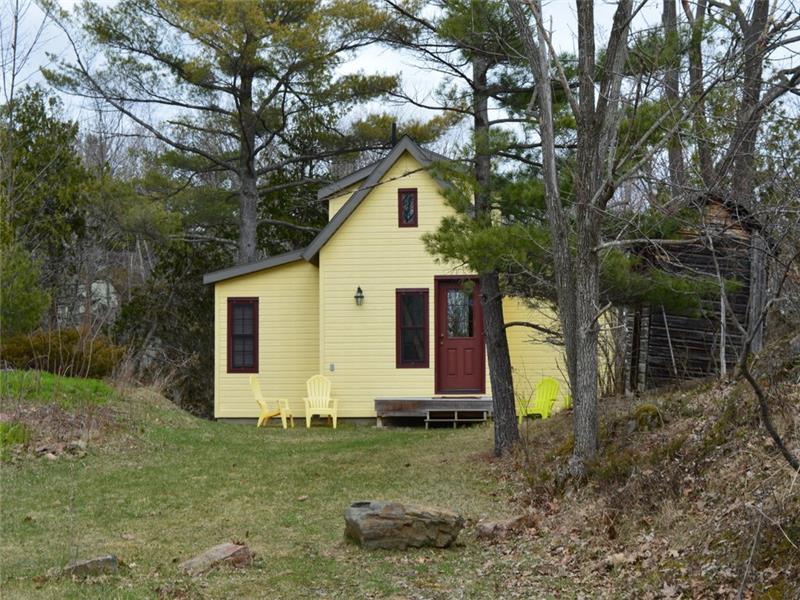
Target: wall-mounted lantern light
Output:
[{"x": 359, "y": 296}]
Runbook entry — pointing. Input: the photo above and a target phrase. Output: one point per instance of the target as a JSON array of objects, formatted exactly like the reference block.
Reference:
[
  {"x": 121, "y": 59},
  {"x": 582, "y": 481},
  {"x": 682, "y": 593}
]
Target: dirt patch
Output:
[{"x": 54, "y": 430}]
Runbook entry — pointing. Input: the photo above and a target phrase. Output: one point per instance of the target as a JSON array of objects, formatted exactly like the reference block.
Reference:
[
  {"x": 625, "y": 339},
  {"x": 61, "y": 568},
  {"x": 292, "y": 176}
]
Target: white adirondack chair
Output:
[{"x": 319, "y": 401}]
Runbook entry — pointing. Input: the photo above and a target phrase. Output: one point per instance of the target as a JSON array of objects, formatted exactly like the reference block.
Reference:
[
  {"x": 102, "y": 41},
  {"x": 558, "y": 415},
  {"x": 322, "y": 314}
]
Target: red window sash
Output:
[
  {"x": 400, "y": 193},
  {"x": 232, "y": 302},
  {"x": 399, "y": 363}
]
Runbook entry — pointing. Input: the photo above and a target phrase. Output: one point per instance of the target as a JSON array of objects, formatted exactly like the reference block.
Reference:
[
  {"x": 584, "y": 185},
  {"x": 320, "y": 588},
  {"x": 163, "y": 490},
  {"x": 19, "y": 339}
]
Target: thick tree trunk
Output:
[
  {"x": 587, "y": 292},
  {"x": 586, "y": 262},
  {"x": 677, "y": 171},
  {"x": 506, "y": 433},
  {"x": 248, "y": 185},
  {"x": 248, "y": 217},
  {"x": 577, "y": 279}
]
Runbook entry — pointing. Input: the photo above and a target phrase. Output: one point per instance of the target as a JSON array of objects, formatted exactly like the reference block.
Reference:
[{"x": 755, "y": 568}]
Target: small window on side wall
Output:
[
  {"x": 412, "y": 328},
  {"x": 407, "y": 207},
  {"x": 242, "y": 335}
]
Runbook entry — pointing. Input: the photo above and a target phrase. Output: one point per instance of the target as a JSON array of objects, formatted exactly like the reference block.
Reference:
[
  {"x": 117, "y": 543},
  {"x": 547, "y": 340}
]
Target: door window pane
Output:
[{"x": 459, "y": 314}]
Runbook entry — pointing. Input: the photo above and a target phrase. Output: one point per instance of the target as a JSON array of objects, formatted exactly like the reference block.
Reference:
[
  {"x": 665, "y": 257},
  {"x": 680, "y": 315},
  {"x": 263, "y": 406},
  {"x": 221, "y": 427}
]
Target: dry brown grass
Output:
[{"x": 693, "y": 500}]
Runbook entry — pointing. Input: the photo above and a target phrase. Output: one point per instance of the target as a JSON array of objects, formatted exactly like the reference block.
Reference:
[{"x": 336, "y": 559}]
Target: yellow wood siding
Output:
[
  {"x": 335, "y": 203},
  {"x": 531, "y": 357},
  {"x": 371, "y": 251},
  {"x": 288, "y": 340}
]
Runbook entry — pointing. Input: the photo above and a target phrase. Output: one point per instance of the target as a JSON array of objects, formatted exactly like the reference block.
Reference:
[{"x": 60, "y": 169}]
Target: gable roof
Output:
[
  {"x": 370, "y": 176},
  {"x": 380, "y": 169},
  {"x": 327, "y": 191}
]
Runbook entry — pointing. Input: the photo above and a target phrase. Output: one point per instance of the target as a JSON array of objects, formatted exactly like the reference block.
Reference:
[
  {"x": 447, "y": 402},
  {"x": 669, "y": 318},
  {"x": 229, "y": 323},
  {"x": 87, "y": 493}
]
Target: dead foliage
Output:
[
  {"x": 687, "y": 498},
  {"x": 55, "y": 430}
]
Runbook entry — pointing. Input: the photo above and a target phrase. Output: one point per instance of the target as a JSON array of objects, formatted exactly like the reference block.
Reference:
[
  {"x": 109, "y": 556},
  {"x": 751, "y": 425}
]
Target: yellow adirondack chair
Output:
[
  {"x": 542, "y": 404},
  {"x": 266, "y": 414},
  {"x": 319, "y": 401}
]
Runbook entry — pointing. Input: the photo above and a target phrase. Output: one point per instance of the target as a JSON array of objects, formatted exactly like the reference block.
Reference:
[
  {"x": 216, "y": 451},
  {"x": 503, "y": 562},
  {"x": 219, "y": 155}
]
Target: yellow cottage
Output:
[{"x": 396, "y": 332}]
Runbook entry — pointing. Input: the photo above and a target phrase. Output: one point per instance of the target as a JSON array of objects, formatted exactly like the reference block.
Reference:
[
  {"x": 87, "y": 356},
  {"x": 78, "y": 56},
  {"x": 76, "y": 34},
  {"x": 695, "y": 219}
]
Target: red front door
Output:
[{"x": 459, "y": 338}]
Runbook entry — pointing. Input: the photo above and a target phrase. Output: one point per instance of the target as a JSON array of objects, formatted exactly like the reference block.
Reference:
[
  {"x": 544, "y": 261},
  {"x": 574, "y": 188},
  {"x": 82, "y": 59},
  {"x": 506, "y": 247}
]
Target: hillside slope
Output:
[{"x": 688, "y": 497}]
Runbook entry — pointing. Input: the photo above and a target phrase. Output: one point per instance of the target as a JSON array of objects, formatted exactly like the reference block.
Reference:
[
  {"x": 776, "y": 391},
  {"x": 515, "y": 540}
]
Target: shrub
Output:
[
  {"x": 22, "y": 301},
  {"x": 63, "y": 352}
]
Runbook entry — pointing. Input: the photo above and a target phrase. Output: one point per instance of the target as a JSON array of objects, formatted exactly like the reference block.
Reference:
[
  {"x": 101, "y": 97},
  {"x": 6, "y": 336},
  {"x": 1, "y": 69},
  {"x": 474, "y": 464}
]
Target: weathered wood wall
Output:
[{"x": 665, "y": 346}]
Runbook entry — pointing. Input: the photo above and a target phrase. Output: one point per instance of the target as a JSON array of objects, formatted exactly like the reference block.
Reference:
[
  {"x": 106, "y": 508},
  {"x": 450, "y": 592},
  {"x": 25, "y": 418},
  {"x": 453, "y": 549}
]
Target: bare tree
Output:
[
  {"x": 577, "y": 275},
  {"x": 17, "y": 44},
  {"x": 601, "y": 167}
]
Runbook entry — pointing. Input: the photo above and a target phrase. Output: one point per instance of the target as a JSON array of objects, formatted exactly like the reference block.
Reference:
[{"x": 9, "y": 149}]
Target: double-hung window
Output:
[
  {"x": 242, "y": 335},
  {"x": 412, "y": 328}
]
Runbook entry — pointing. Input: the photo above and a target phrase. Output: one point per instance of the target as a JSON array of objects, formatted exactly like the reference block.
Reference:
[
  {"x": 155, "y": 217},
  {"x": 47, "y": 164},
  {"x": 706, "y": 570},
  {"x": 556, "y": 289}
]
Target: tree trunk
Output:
[
  {"x": 586, "y": 262},
  {"x": 758, "y": 290},
  {"x": 697, "y": 90},
  {"x": 748, "y": 120},
  {"x": 248, "y": 185},
  {"x": 562, "y": 258},
  {"x": 506, "y": 433},
  {"x": 587, "y": 291},
  {"x": 677, "y": 171}
]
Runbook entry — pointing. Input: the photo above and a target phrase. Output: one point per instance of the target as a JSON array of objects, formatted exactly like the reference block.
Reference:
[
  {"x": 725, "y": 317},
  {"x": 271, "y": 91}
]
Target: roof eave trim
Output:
[
  {"x": 239, "y": 270},
  {"x": 330, "y": 190}
]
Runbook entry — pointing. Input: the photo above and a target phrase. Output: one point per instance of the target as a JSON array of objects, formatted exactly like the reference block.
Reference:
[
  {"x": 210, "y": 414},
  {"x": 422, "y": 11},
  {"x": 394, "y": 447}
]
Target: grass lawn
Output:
[{"x": 179, "y": 485}]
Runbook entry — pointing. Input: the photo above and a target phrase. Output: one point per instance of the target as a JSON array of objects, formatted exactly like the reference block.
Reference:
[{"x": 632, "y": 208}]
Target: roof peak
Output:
[{"x": 405, "y": 141}]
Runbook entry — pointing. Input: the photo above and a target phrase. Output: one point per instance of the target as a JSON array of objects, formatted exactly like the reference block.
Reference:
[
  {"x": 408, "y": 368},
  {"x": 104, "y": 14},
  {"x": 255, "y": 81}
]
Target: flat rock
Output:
[
  {"x": 393, "y": 525},
  {"x": 102, "y": 565},
  {"x": 237, "y": 555}
]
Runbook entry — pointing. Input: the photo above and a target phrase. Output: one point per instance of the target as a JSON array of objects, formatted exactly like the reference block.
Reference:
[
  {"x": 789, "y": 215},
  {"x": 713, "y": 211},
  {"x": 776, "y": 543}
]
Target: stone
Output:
[
  {"x": 237, "y": 555},
  {"x": 794, "y": 346},
  {"x": 498, "y": 530},
  {"x": 76, "y": 446},
  {"x": 102, "y": 565},
  {"x": 392, "y": 525}
]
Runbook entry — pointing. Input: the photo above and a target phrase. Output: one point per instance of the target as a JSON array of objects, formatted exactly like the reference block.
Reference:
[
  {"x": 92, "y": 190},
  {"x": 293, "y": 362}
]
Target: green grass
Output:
[
  {"x": 182, "y": 485},
  {"x": 42, "y": 387},
  {"x": 10, "y": 435}
]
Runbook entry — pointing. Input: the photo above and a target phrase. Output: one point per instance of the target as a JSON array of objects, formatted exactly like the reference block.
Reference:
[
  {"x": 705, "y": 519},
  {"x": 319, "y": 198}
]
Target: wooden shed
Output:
[{"x": 663, "y": 347}]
